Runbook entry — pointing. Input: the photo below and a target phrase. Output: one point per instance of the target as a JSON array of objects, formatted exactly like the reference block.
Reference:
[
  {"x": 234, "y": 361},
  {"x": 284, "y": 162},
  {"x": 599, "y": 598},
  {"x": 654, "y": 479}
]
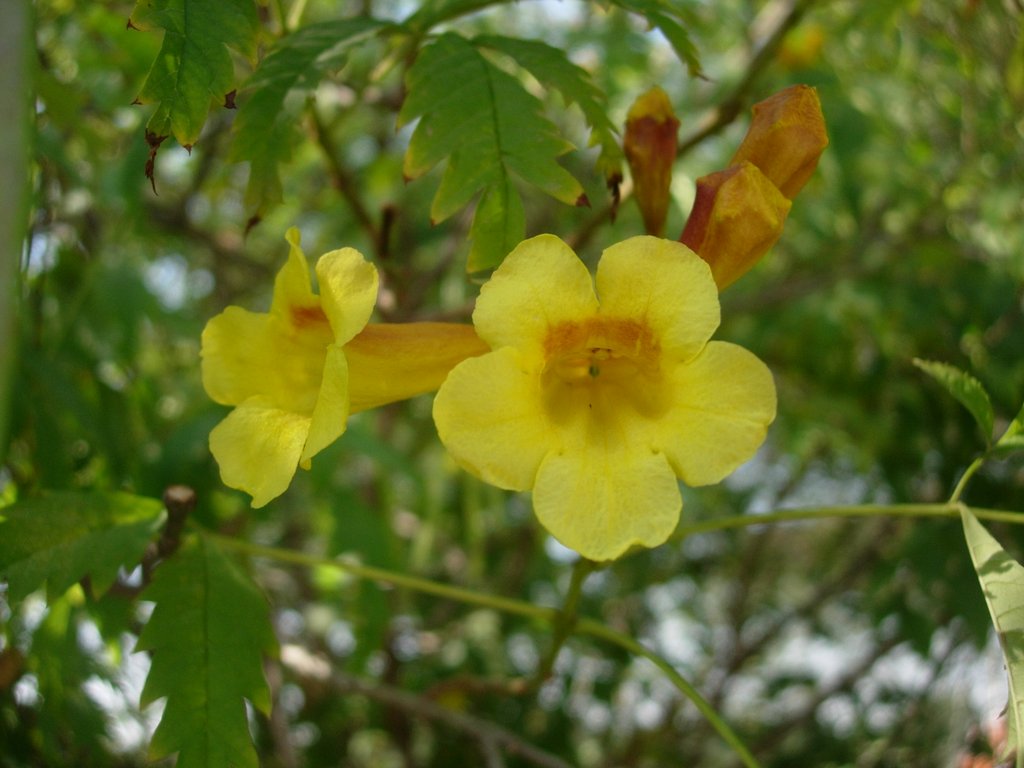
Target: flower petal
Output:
[
  {"x": 724, "y": 402},
  {"x": 393, "y": 361},
  {"x": 490, "y": 416},
  {"x": 602, "y": 500},
  {"x": 540, "y": 284},
  {"x": 330, "y": 415},
  {"x": 258, "y": 448},
  {"x": 292, "y": 286},
  {"x": 348, "y": 291},
  {"x": 245, "y": 354},
  {"x": 663, "y": 285}
]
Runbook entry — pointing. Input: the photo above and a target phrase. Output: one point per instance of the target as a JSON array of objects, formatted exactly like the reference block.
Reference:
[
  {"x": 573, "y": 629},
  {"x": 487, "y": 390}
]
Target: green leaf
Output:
[
  {"x": 437, "y": 11},
  {"x": 268, "y": 117},
  {"x": 490, "y": 129},
  {"x": 57, "y": 539},
  {"x": 965, "y": 388},
  {"x": 668, "y": 18},
  {"x": 208, "y": 634},
  {"x": 1013, "y": 438},
  {"x": 1002, "y": 581},
  {"x": 193, "y": 68},
  {"x": 553, "y": 69}
]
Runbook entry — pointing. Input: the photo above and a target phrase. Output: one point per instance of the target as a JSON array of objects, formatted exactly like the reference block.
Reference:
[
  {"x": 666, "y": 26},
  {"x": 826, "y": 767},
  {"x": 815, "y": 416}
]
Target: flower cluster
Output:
[{"x": 598, "y": 395}]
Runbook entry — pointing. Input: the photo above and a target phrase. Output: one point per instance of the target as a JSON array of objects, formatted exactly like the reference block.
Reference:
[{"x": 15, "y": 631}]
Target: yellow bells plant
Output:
[
  {"x": 296, "y": 373},
  {"x": 599, "y": 402}
]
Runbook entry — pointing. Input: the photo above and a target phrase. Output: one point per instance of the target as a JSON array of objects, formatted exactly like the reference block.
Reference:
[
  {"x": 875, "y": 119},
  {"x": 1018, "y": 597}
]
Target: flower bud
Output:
[
  {"x": 650, "y": 147},
  {"x": 737, "y": 217},
  {"x": 786, "y": 138}
]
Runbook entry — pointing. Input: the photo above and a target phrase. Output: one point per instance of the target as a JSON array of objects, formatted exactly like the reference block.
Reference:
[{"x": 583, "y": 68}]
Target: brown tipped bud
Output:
[
  {"x": 786, "y": 138},
  {"x": 650, "y": 145},
  {"x": 737, "y": 216}
]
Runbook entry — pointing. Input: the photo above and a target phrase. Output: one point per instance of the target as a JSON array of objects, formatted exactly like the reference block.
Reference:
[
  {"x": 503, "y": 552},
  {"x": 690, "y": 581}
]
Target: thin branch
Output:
[
  {"x": 492, "y": 738},
  {"x": 343, "y": 180},
  {"x": 779, "y": 731},
  {"x": 789, "y": 13}
]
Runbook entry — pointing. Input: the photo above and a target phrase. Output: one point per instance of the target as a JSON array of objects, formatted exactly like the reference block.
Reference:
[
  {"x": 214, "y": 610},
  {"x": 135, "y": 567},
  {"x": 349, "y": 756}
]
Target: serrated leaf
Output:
[
  {"x": 668, "y": 18},
  {"x": 553, "y": 69},
  {"x": 430, "y": 14},
  {"x": 1013, "y": 438},
  {"x": 965, "y": 388},
  {"x": 489, "y": 128},
  {"x": 499, "y": 218},
  {"x": 193, "y": 69},
  {"x": 207, "y": 635},
  {"x": 57, "y": 539},
  {"x": 1002, "y": 581},
  {"x": 267, "y": 120}
]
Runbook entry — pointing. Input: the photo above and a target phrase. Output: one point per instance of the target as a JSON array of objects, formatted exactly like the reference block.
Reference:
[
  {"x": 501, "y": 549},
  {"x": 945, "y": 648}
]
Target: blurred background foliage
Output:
[{"x": 848, "y": 643}]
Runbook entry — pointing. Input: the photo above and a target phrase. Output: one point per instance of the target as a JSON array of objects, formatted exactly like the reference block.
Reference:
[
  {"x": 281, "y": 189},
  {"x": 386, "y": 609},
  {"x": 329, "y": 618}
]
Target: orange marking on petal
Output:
[{"x": 303, "y": 317}]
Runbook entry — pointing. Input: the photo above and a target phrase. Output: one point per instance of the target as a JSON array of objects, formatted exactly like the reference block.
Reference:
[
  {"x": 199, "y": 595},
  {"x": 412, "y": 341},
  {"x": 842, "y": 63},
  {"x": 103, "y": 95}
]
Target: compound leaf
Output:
[
  {"x": 208, "y": 634},
  {"x": 58, "y": 538},
  {"x": 1002, "y": 581},
  {"x": 668, "y": 18},
  {"x": 193, "y": 68},
  {"x": 267, "y": 118},
  {"x": 489, "y": 128},
  {"x": 554, "y": 70},
  {"x": 965, "y": 388}
]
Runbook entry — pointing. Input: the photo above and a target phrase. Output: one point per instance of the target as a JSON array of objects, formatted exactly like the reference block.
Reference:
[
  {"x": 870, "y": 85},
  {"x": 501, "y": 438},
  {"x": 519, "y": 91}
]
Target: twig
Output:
[
  {"x": 343, "y": 180},
  {"x": 780, "y": 730},
  {"x": 179, "y": 501},
  {"x": 732, "y": 105},
  {"x": 491, "y": 737}
]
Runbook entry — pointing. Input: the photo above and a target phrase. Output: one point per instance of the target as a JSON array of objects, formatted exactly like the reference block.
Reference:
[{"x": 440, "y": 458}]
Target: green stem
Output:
[
  {"x": 566, "y": 620},
  {"x": 966, "y": 478},
  {"x": 627, "y": 643},
  {"x": 415, "y": 583},
  {"x": 950, "y": 509},
  {"x": 516, "y": 607}
]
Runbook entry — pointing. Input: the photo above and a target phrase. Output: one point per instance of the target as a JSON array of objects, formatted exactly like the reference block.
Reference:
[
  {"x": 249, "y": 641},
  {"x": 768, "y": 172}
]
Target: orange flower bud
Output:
[
  {"x": 786, "y": 138},
  {"x": 650, "y": 146},
  {"x": 737, "y": 216}
]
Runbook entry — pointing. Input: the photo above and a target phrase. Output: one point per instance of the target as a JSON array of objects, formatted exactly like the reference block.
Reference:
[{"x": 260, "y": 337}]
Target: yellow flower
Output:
[
  {"x": 296, "y": 373},
  {"x": 598, "y": 405}
]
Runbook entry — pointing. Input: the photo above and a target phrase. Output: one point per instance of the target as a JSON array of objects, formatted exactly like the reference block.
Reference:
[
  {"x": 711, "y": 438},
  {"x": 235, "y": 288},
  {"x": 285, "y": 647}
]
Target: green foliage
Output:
[
  {"x": 208, "y": 635},
  {"x": 1013, "y": 438},
  {"x": 965, "y": 388},
  {"x": 266, "y": 126},
  {"x": 1002, "y": 581},
  {"x": 57, "y": 539},
  {"x": 554, "y": 70},
  {"x": 671, "y": 19},
  {"x": 193, "y": 68},
  {"x": 489, "y": 128},
  {"x": 907, "y": 243}
]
